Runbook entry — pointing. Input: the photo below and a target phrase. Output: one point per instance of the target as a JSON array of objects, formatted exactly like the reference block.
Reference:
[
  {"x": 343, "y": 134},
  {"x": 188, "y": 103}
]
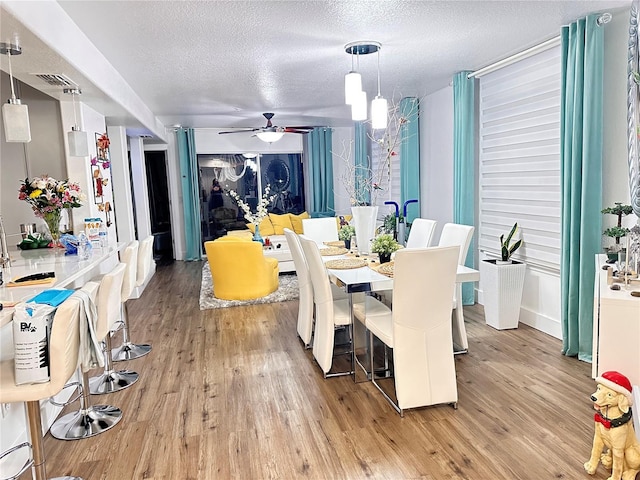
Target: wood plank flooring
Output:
[{"x": 232, "y": 394}]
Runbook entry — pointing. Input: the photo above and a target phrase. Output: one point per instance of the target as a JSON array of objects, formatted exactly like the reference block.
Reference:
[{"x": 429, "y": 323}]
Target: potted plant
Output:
[
  {"x": 384, "y": 245},
  {"x": 503, "y": 283},
  {"x": 618, "y": 231},
  {"x": 345, "y": 233}
]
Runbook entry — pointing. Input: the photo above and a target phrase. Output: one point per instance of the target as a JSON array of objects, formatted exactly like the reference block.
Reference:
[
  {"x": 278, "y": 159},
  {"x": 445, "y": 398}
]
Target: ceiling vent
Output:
[
  {"x": 56, "y": 79},
  {"x": 144, "y": 135}
]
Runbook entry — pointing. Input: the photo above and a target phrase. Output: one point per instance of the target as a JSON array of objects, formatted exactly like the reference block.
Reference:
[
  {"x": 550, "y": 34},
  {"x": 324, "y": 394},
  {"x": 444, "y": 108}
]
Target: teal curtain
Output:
[
  {"x": 464, "y": 153},
  {"x": 319, "y": 150},
  {"x": 361, "y": 158},
  {"x": 410, "y": 156},
  {"x": 190, "y": 193},
  {"x": 581, "y": 177}
]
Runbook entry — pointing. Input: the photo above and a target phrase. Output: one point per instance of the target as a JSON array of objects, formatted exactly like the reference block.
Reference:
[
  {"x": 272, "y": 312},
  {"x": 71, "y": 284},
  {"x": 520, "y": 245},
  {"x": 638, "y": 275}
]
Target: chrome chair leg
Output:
[
  {"x": 89, "y": 420},
  {"x": 110, "y": 380},
  {"x": 128, "y": 350}
]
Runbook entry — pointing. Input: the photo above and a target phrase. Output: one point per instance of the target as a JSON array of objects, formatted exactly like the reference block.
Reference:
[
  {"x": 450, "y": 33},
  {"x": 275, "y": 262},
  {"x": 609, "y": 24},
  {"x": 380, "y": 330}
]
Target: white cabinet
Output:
[{"x": 616, "y": 328}]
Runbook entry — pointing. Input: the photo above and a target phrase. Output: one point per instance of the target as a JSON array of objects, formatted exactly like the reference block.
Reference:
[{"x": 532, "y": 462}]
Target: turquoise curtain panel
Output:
[
  {"x": 319, "y": 148},
  {"x": 190, "y": 193},
  {"x": 410, "y": 156}
]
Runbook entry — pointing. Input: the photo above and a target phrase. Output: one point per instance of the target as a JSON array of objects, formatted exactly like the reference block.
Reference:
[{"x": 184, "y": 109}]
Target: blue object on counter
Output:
[
  {"x": 70, "y": 243},
  {"x": 53, "y": 297}
]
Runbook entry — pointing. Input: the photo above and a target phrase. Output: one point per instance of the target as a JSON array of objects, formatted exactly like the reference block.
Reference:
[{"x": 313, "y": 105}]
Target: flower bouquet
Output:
[{"x": 47, "y": 197}]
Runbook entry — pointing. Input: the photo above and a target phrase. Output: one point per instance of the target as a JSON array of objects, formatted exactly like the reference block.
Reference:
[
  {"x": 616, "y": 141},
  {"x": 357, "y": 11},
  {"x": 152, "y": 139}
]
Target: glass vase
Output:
[
  {"x": 256, "y": 235},
  {"x": 52, "y": 220}
]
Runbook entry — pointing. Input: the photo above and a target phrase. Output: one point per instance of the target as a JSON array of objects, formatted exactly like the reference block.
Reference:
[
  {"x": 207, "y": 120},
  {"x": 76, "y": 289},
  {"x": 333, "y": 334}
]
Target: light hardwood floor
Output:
[{"x": 232, "y": 393}]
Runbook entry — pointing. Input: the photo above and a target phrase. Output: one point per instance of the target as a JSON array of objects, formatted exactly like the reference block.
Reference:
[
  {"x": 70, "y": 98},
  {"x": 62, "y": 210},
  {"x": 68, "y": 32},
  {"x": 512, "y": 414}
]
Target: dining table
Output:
[{"x": 367, "y": 279}]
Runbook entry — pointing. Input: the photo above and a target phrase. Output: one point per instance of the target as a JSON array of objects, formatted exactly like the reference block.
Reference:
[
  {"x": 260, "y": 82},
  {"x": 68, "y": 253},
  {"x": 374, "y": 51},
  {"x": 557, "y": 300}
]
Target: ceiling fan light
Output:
[
  {"x": 269, "y": 137},
  {"x": 249, "y": 155},
  {"x": 352, "y": 86},
  {"x": 359, "y": 107},
  {"x": 15, "y": 117},
  {"x": 78, "y": 143},
  {"x": 379, "y": 111}
]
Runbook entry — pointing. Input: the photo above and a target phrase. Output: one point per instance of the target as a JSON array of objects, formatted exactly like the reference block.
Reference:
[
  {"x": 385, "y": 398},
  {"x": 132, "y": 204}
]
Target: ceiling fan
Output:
[{"x": 271, "y": 133}]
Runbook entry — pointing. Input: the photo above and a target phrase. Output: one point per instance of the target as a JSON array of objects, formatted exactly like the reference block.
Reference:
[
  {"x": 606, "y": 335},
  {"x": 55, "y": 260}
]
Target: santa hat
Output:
[{"x": 618, "y": 383}]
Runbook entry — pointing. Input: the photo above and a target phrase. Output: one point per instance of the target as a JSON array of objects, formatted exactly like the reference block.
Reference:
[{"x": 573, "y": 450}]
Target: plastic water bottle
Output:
[
  {"x": 103, "y": 234},
  {"x": 84, "y": 247}
]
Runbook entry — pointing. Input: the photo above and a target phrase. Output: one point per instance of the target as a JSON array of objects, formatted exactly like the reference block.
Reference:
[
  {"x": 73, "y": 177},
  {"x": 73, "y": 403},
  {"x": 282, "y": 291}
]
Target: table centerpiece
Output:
[{"x": 260, "y": 213}]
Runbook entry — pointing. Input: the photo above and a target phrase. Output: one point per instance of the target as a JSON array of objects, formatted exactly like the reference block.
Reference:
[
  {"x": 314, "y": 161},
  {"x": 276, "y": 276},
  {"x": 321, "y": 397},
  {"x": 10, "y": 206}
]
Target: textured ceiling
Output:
[{"x": 223, "y": 63}]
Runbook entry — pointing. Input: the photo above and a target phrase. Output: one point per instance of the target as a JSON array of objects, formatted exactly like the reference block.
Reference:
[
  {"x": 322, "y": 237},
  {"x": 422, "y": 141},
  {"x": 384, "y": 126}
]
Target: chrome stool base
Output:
[
  {"x": 86, "y": 423},
  {"x": 130, "y": 351},
  {"x": 112, "y": 382}
]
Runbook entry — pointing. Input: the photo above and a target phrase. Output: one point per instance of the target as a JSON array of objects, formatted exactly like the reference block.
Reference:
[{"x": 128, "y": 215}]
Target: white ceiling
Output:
[{"x": 223, "y": 63}]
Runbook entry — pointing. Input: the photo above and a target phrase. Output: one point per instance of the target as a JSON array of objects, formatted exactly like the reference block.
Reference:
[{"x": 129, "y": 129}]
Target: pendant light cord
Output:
[
  {"x": 378, "y": 72},
  {"x": 13, "y": 93},
  {"x": 75, "y": 119}
]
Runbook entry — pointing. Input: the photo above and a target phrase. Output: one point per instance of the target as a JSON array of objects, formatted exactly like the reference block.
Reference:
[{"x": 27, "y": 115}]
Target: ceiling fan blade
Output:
[
  {"x": 294, "y": 130},
  {"x": 302, "y": 127},
  {"x": 241, "y": 130}
]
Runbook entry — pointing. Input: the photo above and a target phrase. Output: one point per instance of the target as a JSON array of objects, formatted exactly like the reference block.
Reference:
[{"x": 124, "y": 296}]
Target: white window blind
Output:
[{"x": 520, "y": 158}]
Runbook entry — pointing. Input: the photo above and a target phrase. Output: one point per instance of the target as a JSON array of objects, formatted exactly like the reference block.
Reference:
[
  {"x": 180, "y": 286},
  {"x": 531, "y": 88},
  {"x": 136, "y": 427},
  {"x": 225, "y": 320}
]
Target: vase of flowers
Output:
[
  {"x": 47, "y": 197},
  {"x": 260, "y": 213},
  {"x": 384, "y": 245}
]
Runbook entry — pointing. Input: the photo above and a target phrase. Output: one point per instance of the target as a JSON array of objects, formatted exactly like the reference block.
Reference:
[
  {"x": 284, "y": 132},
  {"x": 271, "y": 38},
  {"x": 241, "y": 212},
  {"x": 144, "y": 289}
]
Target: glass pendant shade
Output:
[
  {"x": 352, "y": 86},
  {"x": 15, "y": 117},
  {"x": 78, "y": 143},
  {"x": 269, "y": 137},
  {"x": 379, "y": 112},
  {"x": 359, "y": 108}
]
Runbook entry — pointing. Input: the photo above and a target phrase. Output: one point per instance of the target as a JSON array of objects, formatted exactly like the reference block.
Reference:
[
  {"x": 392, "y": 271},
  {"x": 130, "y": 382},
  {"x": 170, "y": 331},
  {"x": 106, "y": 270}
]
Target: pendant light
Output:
[
  {"x": 352, "y": 85},
  {"x": 78, "y": 142},
  {"x": 358, "y": 98},
  {"x": 379, "y": 106},
  {"x": 14, "y": 115}
]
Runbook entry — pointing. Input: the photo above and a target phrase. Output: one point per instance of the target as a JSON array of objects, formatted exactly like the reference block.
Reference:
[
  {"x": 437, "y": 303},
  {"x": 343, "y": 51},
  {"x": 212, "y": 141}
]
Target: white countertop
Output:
[{"x": 67, "y": 268}]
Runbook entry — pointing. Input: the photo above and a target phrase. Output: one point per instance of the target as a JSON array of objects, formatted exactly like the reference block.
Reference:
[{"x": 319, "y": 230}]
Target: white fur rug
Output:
[{"x": 287, "y": 290}]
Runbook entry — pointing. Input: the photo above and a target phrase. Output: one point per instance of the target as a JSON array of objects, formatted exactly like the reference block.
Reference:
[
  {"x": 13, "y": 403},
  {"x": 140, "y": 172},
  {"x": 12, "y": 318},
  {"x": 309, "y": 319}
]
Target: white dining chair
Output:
[
  {"x": 320, "y": 229},
  {"x": 454, "y": 234},
  {"x": 418, "y": 368},
  {"x": 421, "y": 232},
  {"x": 330, "y": 314},
  {"x": 305, "y": 302}
]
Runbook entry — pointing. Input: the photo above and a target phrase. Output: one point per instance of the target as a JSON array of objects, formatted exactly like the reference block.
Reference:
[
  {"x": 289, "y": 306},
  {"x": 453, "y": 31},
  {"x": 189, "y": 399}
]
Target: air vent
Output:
[
  {"x": 56, "y": 79},
  {"x": 144, "y": 135}
]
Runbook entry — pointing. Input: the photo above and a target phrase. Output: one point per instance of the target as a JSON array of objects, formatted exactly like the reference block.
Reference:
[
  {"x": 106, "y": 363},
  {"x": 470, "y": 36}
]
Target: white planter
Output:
[
  {"x": 502, "y": 288},
  {"x": 364, "y": 221}
]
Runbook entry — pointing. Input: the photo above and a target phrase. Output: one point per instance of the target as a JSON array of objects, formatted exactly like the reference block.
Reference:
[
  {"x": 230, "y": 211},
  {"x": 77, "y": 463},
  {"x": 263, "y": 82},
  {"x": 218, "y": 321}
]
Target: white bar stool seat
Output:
[
  {"x": 64, "y": 346},
  {"x": 108, "y": 315}
]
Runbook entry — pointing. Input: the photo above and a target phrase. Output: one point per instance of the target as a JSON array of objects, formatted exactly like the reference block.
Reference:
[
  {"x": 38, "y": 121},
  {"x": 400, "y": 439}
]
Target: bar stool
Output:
[
  {"x": 88, "y": 420},
  {"x": 64, "y": 346},
  {"x": 128, "y": 350},
  {"x": 108, "y": 315}
]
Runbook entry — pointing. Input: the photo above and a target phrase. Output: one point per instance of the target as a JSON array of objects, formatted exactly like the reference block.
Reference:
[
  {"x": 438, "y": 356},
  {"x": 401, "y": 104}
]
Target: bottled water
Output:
[
  {"x": 103, "y": 235},
  {"x": 84, "y": 246}
]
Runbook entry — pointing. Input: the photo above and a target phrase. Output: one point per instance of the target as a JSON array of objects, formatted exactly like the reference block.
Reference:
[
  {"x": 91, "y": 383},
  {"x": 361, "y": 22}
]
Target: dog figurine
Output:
[{"x": 614, "y": 428}]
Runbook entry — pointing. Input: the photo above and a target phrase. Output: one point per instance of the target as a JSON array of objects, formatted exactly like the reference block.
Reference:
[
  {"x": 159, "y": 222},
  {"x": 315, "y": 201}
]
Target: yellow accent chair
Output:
[{"x": 239, "y": 269}]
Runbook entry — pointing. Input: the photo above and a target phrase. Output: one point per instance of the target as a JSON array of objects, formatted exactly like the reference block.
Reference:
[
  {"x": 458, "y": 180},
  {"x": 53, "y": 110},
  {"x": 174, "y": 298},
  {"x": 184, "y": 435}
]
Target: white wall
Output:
[
  {"x": 209, "y": 141},
  {"x": 436, "y": 158}
]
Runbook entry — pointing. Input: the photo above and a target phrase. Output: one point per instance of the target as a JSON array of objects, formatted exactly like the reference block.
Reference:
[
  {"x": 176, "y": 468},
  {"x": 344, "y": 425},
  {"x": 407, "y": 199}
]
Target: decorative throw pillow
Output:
[
  {"x": 296, "y": 221},
  {"x": 280, "y": 222},
  {"x": 266, "y": 227}
]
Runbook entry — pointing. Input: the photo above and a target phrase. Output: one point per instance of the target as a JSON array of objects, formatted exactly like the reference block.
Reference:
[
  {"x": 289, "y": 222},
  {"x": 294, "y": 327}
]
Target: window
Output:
[{"x": 519, "y": 132}]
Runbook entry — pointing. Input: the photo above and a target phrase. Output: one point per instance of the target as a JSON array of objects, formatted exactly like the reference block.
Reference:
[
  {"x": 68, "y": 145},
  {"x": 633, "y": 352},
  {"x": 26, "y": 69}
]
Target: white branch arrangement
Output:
[
  {"x": 261, "y": 209},
  {"x": 363, "y": 183}
]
